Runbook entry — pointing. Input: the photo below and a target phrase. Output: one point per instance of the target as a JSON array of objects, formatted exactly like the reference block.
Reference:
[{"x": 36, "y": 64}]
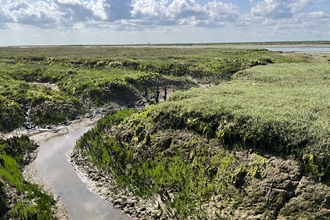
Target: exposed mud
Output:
[
  {"x": 103, "y": 185},
  {"x": 48, "y": 85},
  {"x": 279, "y": 189}
]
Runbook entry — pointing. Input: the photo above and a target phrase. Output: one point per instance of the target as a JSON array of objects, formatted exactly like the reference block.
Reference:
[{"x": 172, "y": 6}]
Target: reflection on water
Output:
[{"x": 56, "y": 170}]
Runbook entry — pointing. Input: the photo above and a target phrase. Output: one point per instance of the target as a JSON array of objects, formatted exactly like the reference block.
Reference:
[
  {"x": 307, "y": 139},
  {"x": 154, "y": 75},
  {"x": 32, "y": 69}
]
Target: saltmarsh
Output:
[
  {"x": 282, "y": 107},
  {"x": 181, "y": 149},
  {"x": 194, "y": 147},
  {"x": 89, "y": 77}
]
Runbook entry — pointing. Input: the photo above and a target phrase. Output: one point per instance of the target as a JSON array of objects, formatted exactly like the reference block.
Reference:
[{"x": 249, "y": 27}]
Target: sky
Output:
[{"x": 64, "y": 22}]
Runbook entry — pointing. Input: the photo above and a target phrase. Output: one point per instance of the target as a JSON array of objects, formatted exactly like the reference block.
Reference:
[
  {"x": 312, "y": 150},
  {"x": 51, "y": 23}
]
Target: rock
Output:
[
  {"x": 141, "y": 209},
  {"x": 130, "y": 202},
  {"x": 155, "y": 213},
  {"x": 104, "y": 192},
  {"x": 140, "y": 103},
  {"x": 66, "y": 123},
  {"x": 118, "y": 201}
]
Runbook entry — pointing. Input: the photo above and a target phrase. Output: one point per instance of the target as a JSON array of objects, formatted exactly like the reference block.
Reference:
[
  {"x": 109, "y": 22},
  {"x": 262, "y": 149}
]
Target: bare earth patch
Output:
[{"x": 48, "y": 85}]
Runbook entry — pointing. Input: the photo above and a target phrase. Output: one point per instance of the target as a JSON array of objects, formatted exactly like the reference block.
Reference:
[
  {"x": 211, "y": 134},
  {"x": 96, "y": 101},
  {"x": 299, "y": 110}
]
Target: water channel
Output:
[{"x": 53, "y": 165}]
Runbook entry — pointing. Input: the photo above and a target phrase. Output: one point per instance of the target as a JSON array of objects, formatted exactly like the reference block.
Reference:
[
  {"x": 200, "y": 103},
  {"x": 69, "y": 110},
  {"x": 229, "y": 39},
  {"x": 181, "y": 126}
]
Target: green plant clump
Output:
[
  {"x": 190, "y": 173},
  {"x": 27, "y": 201}
]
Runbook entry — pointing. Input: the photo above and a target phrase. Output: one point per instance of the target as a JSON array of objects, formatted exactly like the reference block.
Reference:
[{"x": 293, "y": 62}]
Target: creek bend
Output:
[{"x": 53, "y": 165}]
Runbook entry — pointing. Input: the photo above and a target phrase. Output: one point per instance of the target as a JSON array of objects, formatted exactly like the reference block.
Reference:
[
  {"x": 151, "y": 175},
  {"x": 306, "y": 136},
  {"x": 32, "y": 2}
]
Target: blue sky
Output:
[{"x": 53, "y": 22}]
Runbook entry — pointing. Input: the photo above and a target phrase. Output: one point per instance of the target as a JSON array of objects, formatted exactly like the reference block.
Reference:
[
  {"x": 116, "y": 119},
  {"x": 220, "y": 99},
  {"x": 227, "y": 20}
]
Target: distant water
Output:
[
  {"x": 301, "y": 49},
  {"x": 57, "y": 171}
]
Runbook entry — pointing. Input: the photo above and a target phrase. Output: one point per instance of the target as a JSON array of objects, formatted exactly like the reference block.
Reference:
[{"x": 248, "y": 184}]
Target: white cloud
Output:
[
  {"x": 278, "y": 9},
  {"x": 40, "y": 14},
  {"x": 180, "y": 9},
  {"x": 318, "y": 15},
  {"x": 184, "y": 12},
  {"x": 219, "y": 11},
  {"x": 150, "y": 13},
  {"x": 149, "y": 9},
  {"x": 3, "y": 16},
  {"x": 208, "y": 24},
  {"x": 313, "y": 20},
  {"x": 74, "y": 10},
  {"x": 95, "y": 16},
  {"x": 102, "y": 10},
  {"x": 64, "y": 13},
  {"x": 272, "y": 9},
  {"x": 300, "y": 4}
]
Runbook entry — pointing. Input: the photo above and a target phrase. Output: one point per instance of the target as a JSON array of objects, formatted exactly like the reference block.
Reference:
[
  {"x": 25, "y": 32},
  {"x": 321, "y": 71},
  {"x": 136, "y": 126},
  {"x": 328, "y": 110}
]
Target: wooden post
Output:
[
  {"x": 157, "y": 94},
  {"x": 145, "y": 91},
  {"x": 165, "y": 93}
]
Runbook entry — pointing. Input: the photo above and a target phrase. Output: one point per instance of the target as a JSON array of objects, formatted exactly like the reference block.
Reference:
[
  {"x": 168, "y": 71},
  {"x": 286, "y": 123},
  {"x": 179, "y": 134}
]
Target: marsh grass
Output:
[
  {"x": 86, "y": 76},
  {"x": 279, "y": 108},
  {"x": 29, "y": 201},
  {"x": 185, "y": 175},
  {"x": 282, "y": 107}
]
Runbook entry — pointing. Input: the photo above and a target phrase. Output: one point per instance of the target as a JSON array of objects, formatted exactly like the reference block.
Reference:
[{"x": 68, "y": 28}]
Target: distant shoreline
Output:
[{"x": 263, "y": 43}]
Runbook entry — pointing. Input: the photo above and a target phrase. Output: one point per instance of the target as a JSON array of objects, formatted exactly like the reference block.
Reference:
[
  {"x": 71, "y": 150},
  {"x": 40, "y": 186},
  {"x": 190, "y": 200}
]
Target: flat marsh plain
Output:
[{"x": 244, "y": 135}]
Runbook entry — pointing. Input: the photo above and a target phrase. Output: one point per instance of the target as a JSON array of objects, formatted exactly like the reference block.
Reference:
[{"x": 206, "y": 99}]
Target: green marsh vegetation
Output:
[
  {"x": 19, "y": 198},
  {"x": 185, "y": 149},
  {"x": 181, "y": 149},
  {"x": 283, "y": 107},
  {"x": 89, "y": 77}
]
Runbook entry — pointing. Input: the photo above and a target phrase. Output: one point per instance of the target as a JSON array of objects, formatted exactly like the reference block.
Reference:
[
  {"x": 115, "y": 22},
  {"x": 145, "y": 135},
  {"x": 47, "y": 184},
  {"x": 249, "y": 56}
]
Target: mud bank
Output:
[
  {"x": 103, "y": 185},
  {"x": 281, "y": 191}
]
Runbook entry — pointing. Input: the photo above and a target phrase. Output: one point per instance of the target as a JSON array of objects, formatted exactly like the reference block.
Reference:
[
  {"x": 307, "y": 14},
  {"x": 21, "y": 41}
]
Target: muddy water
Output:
[{"x": 53, "y": 165}]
